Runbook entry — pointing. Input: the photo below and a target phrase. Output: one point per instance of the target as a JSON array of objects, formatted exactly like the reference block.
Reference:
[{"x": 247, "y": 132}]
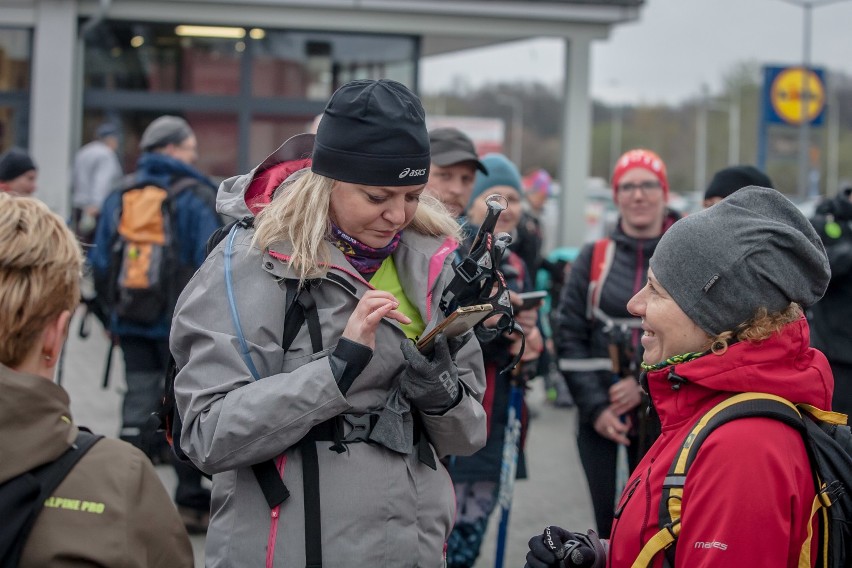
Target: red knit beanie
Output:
[{"x": 640, "y": 158}]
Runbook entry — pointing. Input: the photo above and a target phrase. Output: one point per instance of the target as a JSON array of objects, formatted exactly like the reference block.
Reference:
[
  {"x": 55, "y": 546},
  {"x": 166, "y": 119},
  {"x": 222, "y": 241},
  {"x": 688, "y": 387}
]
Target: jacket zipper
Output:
[
  {"x": 626, "y": 495},
  {"x": 647, "y": 506}
]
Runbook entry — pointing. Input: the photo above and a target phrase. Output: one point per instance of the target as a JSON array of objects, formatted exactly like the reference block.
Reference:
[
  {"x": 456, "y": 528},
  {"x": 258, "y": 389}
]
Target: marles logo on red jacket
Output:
[{"x": 714, "y": 544}]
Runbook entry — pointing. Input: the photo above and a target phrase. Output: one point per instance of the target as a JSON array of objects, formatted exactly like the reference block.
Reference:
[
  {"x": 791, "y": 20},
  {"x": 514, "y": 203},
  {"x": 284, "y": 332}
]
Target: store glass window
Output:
[
  {"x": 269, "y": 132},
  {"x": 311, "y": 65},
  {"x": 243, "y": 89},
  {"x": 14, "y": 59},
  {"x": 15, "y": 62},
  {"x": 218, "y": 140},
  {"x": 169, "y": 58}
]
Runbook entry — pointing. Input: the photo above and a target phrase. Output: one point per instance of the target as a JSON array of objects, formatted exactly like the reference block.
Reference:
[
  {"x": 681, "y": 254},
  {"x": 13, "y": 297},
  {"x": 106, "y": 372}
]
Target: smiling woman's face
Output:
[
  {"x": 668, "y": 330},
  {"x": 641, "y": 203},
  {"x": 373, "y": 214}
]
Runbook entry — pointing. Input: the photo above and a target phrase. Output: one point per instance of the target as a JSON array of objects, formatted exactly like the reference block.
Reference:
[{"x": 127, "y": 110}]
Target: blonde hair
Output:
[
  {"x": 299, "y": 214},
  {"x": 40, "y": 263},
  {"x": 760, "y": 327}
]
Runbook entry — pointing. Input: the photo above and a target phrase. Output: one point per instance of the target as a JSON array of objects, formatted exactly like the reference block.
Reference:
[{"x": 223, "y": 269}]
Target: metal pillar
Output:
[
  {"x": 53, "y": 69},
  {"x": 576, "y": 143}
]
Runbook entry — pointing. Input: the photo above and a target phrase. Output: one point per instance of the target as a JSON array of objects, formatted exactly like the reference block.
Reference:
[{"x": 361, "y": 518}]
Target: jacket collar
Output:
[
  {"x": 420, "y": 260},
  {"x": 35, "y": 420},
  {"x": 784, "y": 365}
]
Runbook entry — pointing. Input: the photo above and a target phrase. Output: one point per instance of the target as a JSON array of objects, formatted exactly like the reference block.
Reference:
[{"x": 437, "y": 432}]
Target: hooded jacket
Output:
[
  {"x": 830, "y": 317},
  {"x": 110, "y": 510},
  {"x": 378, "y": 507},
  {"x": 749, "y": 492}
]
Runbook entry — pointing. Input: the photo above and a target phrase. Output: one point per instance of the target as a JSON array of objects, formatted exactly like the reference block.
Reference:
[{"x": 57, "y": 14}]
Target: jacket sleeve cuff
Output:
[
  {"x": 451, "y": 406},
  {"x": 347, "y": 361}
]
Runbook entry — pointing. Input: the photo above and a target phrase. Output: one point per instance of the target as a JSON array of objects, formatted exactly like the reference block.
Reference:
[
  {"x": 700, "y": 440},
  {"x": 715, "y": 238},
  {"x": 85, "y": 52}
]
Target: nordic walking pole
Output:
[
  {"x": 509, "y": 466},
  {"x": 622, "y": 469}
]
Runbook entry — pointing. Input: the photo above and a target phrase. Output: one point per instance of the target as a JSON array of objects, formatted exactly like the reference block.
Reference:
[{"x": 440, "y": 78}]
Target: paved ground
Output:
[{"x": 555, "y": 493}]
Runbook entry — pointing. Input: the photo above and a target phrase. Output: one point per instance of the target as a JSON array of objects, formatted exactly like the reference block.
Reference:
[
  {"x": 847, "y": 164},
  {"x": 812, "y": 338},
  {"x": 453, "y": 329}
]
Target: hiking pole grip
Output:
[{"x": 495, "y": 207}]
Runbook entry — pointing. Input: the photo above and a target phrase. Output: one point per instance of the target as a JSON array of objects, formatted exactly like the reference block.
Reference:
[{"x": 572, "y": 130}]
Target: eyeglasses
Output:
[{"x": 644, "y": 186}]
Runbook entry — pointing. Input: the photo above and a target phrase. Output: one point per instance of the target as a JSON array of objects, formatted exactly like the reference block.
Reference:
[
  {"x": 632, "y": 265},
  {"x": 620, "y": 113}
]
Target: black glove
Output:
[
  {"x": 430, "y": 383},
  {"x": 558, "y": 548},
  {"x": 456, "y": 343}
]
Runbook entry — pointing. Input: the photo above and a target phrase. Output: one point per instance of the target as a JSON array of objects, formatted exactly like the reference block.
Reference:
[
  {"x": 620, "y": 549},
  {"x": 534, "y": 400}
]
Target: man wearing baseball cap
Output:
[{"x": 453, "y": 171}]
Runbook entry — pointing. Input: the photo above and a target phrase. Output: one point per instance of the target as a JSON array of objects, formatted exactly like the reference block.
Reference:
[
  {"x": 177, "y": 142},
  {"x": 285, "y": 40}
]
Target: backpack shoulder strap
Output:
[
  {"x": 603, "y": 253},
  {"x": 738, "y": 406},
  {"x": 232, "y": 305},
  {"x": 223, "y": 231},
  {"x": 53, "y": 474},
  {"x": 301, "y": 307},
  {"x": 48, "y": 478},
  {"x": 182, "y": 184}
]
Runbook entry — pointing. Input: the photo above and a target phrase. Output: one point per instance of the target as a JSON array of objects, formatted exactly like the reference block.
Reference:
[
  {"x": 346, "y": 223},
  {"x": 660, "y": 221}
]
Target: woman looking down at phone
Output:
[
  {"x": 477, "y": 477},
  {"x": 372, "y": 256}
]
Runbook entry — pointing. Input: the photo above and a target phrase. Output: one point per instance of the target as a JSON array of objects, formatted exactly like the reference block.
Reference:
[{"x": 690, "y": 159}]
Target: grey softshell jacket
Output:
[{"x": 378, "y": 507}]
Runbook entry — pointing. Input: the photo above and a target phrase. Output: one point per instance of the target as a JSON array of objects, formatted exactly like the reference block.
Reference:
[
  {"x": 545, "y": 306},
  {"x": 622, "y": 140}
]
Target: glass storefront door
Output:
[{"x": 243, "y": 90}]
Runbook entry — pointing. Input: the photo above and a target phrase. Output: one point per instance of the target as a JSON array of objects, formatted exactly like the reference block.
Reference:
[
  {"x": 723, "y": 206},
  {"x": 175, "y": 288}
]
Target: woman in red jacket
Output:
[{"x": 722, "y": 314}]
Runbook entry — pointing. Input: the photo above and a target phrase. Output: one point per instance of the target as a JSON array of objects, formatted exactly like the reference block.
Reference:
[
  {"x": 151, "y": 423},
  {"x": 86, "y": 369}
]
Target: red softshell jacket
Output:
[{"x": 748, "y": 494}]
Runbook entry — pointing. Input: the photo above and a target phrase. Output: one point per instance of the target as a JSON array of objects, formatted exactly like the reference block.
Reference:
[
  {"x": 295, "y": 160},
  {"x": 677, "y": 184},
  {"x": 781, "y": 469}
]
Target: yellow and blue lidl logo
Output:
[{"x": 795, "y": 95}]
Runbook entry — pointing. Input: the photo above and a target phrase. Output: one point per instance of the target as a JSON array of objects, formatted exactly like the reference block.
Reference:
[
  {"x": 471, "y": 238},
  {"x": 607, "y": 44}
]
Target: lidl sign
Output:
[{"x": 784, "y": 88}]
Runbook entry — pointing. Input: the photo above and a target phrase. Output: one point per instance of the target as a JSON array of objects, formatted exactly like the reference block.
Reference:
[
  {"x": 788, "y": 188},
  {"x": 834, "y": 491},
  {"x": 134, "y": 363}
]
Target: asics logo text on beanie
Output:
[{"x": 408, "y": 172}]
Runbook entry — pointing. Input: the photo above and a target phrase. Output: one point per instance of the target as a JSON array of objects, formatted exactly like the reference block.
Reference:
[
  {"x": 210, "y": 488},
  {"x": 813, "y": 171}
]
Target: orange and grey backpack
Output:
[{"x": 144, "y": 259}]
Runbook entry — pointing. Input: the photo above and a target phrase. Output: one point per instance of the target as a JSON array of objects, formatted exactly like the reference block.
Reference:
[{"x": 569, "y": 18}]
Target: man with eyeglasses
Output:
[{"x": 592, "y": 319}]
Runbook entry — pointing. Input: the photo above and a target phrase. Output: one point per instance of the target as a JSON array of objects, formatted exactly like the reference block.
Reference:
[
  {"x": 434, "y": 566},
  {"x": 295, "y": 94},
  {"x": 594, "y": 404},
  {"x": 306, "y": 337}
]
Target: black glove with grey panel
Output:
[
  {"x": 431, "y": 382},
  {"x": 558, "y": 548}
]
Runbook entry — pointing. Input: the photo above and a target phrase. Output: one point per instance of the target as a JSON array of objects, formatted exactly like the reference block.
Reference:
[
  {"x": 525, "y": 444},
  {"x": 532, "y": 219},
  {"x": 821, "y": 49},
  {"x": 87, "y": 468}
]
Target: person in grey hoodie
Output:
[
  {"x": 354, "y": 428},
  {"x": 95, "y": 174}
]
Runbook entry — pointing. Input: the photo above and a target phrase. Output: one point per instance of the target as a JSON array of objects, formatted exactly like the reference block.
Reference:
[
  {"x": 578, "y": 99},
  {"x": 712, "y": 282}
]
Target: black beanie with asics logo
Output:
[{"x": 373, "y": 133}]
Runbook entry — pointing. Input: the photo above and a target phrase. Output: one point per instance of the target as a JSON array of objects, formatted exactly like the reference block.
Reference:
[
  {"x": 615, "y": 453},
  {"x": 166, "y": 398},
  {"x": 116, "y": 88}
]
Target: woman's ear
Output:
[{"x": 53, "y": 338}]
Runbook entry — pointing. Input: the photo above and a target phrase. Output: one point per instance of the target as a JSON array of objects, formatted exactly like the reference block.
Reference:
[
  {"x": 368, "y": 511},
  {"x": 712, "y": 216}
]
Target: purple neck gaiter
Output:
[{"x": 365, "y": 259}]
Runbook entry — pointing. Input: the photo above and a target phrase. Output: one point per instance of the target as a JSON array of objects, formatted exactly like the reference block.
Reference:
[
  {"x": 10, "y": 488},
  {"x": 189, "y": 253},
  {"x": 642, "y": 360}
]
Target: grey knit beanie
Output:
[
  {"x": 754, "y": 249},
  {"x": 163, "y": 131}
]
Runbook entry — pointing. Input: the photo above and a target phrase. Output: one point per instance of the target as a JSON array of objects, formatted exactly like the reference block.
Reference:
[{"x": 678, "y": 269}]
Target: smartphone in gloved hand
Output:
[
  {"x": 455, "y": 324},
  {"x": 530, "y": 300}
]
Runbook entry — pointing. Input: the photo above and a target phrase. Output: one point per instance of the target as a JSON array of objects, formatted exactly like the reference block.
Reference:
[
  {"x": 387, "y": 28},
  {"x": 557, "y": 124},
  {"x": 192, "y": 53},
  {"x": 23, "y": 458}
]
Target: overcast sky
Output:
[{"x": 674, "y": 47}]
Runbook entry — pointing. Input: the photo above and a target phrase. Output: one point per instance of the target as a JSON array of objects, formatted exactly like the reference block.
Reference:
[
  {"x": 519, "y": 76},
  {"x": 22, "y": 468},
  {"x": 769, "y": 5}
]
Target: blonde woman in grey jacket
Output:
[{"x": 353, "y": 428}]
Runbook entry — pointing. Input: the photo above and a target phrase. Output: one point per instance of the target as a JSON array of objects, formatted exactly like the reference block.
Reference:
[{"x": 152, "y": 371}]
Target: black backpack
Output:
[
  {"x": 828, "y": 441},
  {"x": 23, "y": 497}
]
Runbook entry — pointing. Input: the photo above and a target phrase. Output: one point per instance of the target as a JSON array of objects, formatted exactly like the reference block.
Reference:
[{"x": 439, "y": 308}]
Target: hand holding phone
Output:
[{"x": 530, "y": 300}]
